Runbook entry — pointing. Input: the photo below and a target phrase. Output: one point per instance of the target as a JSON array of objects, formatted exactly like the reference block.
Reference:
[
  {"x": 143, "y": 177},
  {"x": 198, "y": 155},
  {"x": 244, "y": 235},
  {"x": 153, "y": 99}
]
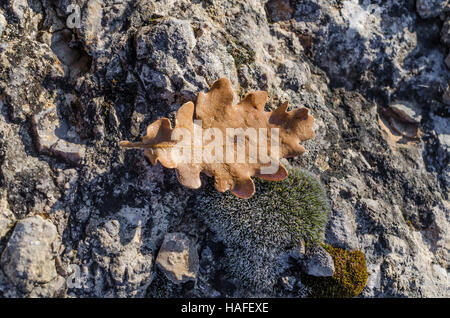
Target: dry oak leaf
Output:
[{"x": 216, "y": 111}]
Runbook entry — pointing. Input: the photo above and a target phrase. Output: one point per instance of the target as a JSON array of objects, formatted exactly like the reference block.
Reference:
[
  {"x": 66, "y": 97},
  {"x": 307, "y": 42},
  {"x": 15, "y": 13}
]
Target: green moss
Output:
[
  {"x": 259, "y": 230},
  {"x": 348, "y": 280}
]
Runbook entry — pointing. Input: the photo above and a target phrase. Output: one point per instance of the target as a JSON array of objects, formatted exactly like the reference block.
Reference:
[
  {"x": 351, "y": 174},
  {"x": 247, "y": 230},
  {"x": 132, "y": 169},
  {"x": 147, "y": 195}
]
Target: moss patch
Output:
[
  {"x": 258, "y": 230},
  {"x": 349, "y": 278}
]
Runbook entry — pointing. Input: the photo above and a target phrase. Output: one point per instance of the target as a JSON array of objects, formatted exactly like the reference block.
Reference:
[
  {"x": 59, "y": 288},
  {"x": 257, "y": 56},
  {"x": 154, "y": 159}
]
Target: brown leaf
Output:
[{"x": 215, "y": 110}]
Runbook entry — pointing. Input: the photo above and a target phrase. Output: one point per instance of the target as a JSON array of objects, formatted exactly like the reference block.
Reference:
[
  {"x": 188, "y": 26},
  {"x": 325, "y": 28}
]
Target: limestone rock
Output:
[
  {"x": 120, "y": 246},
  {"x": 25, "y": 66},
  {"x": 446, "y": 96},
  {"x": 145, "y": 58},
  {"x": 178, "y": 258},
  {"x": 6, "y": 218},
  {"x": 132, "y": 272},
  {"x": 28, "y": 259},
  {"x": 2, "y": 23},
  {"x": 28, "y": 181},
  {"x": 430, "y": 8},
  {"x": 319, "y": 263},
  {"x": 408, "y": 111},
  {"x": 445, "y": 33},
  {"x": 19, "y": 8},
  {"x": 443, "y": 129},
  {"x": 52, "y": 134}
]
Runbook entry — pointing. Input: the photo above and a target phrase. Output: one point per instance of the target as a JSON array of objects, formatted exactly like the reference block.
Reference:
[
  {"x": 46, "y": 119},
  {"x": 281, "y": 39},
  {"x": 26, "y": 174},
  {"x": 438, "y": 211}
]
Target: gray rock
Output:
[
  {"x": 19, "y": 8},
  {"x": 446, "y": 96},
  {"x": 167, "y": 48},
  {"x": 132, "y": 272},
  {"x": 24, "y": 75},
  {"x": 52, "y": 134},
  {"x": 442, "y": 127},
  {"x": 174, "y": 38},
  {"x": 3, "y": 23},
  {"x": 74, "y": 59},
  {"x": 6, "y": 218},
  {"x": 445, "y": 33},
  {"x": 178, "y": 258},
  {"x": 121, "y": 248},
  {"x": 303, "y": 291},
  {"x": 130, "y": 63},
  {"x": 28, "y": 260},
  {"x": 319, "y": 263},
  {"x": 430, "y": 8},
  {"x": 407, "y": 111}
]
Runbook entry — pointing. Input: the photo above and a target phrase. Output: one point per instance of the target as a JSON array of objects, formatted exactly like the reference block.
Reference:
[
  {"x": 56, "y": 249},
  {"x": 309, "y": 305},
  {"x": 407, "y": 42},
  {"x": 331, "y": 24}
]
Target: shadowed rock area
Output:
[{"x": 81, "y": 217}]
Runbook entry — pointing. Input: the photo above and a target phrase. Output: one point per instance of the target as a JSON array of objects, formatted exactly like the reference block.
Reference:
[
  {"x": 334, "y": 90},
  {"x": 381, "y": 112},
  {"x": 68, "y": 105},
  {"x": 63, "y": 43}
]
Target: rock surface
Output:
[
  {"x": 430, "y": 8},
  {"x": 70, "y": 93},
  {"x": 6, "y": 218},
  {"x": 319, "y": 263},
  {"x": 50, "y": 133},
  {"x": 178, "y": 258},
  {"x": 2, "y": 23},
  {"x": 28, "y": 260}
]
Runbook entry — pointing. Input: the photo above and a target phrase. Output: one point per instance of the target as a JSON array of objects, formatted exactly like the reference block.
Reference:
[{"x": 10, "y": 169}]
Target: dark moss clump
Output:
[
  {"x": 349, "y": 278},
  {"x": 259, "y": 230}
]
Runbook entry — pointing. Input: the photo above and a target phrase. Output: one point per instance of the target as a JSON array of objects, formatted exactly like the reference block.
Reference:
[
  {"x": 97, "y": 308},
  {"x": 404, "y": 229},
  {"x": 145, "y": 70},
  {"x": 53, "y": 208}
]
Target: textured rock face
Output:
[
  {"x": 2, "y": 23},
  {"x": 430, "y": 8},
  {"x": 28, "y": 260},
  {"x": 6, "y": 218},
  {"x": 319, "y": 263},
  {"x": 178, "y": 258},
  {"x": 374, "y": 74},
  {"x": 50, "y": 133}
]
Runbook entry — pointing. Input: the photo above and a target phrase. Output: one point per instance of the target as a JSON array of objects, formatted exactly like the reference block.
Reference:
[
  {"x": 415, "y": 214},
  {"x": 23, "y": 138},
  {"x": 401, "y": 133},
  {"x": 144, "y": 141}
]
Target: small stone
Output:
[
  {"x": 28, "y": 259},
  {"x": 6, "y": 218},
  {"x": 445, "y": 33},
  {"x": 430, "y": 8},
  {"x": 60, "y": 45},
  {"x": 49, "y": 132},
  {"x": 178, "y": 258},
  {"x": 319, "y": 263},
  {"x": 442, "y": 129},
  {"x": 407, "y": 111},
  {"x": 446, "y": 96}
]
